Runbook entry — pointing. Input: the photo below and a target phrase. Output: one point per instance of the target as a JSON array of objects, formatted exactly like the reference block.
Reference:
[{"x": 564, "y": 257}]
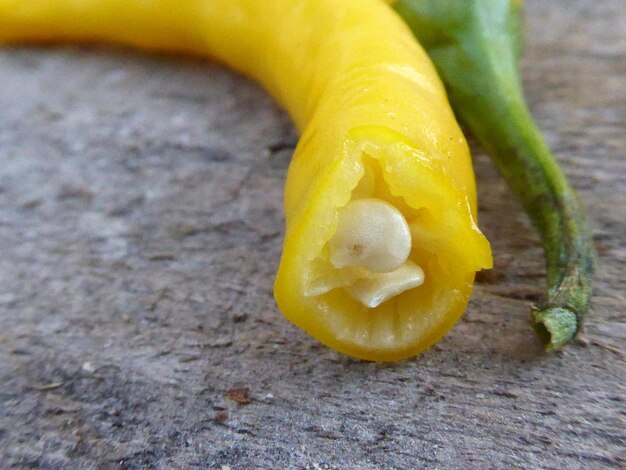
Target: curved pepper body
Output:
[{"x": 369, "y": 106}]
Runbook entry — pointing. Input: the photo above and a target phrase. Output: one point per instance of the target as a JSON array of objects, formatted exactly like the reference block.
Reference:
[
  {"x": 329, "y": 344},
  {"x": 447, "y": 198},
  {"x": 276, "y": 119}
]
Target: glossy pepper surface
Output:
[{"x": 379, "y": 148}]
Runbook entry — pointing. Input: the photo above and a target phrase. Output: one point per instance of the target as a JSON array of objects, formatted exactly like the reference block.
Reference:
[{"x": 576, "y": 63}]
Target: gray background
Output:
[{"x": 140, "y": 229}]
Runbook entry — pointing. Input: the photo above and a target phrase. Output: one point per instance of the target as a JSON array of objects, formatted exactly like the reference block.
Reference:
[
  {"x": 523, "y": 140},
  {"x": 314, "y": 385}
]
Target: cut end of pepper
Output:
[
  {"x": 556, "y": 326},
  {"x": 386, "y": 265}
]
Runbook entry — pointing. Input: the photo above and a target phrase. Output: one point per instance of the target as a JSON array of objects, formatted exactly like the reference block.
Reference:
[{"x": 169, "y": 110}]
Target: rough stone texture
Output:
[{"x": 140, "y": 229}]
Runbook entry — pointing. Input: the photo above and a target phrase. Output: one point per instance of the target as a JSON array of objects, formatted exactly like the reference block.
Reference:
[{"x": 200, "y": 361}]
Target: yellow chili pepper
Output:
[{"x": 381, "y": 240}]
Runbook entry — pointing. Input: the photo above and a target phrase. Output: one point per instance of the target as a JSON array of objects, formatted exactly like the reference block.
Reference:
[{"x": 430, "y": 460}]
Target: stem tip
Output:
[{"x": 556, "y": 326}]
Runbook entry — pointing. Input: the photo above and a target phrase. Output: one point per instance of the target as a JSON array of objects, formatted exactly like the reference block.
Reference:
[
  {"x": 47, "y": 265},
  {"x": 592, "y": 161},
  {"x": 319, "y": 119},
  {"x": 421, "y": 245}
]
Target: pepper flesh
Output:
[
  {"x": 476, "y": 45},
  {"x": 374, "y": 120}
]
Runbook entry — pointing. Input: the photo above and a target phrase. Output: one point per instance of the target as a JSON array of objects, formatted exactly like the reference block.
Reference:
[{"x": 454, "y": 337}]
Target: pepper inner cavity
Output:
[{"x": 373, "y": 235}]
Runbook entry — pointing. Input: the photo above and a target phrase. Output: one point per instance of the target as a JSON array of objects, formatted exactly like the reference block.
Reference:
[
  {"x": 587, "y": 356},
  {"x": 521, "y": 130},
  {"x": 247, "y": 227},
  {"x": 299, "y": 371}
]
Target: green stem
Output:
[
  {"x": 525, "y": 161},
  {"x": 475, "y": 45}
]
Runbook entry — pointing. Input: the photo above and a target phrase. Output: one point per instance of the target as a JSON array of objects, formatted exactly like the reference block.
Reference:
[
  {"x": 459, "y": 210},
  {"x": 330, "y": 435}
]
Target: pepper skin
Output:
[{"x": 374, "y": 121}]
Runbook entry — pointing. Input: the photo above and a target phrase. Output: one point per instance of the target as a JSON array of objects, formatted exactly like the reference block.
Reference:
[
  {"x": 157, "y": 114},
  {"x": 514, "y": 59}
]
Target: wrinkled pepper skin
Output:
[{"x": 360, "y": 89}]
